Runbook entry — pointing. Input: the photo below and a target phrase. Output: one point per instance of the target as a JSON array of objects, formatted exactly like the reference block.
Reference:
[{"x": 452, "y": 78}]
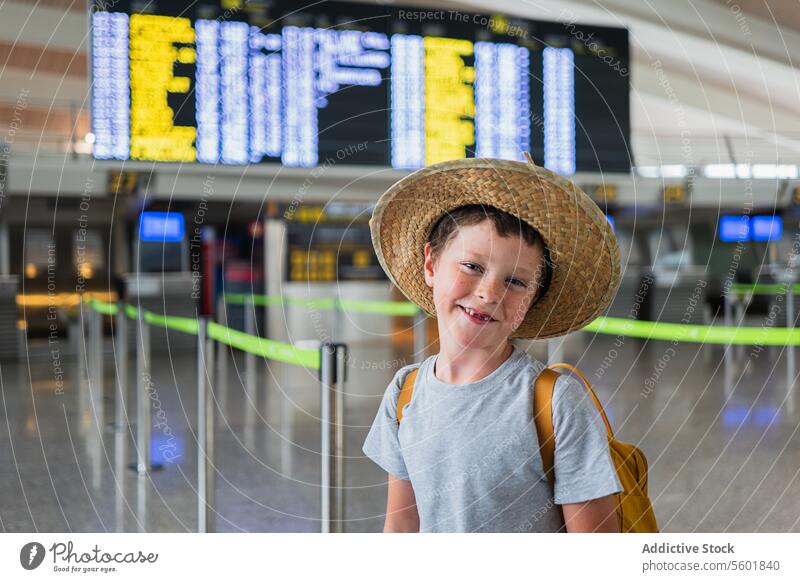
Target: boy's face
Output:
[{"x": 483, "y": 271}]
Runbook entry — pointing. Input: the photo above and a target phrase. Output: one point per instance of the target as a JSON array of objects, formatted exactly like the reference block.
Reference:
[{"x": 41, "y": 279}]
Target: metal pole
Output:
[
  {"x": 84, "y": 370},
  {"x": 250, "y": 403},
  {"x": 95, "y": 374},
  {"x": 739, "y": 319},
  {"x": 727, "y": 354},
  {"x": 210, "y": 425},
  {"x": 341, "y": 367},
  {"x": 727, "y": 313},
  {"x": 121, "y": 403},
  {"x": 143, "y": 419},
  {"x": 286, "y": 422},
  {"x": 250, "y": 358},
  {"x": 420, "y": 335},
  {"x": 119, "y": 474},
  {"x": 92, "y": 351},
  {"x": 727, "y": 309},
  {"x": 93, "y": 443},
  {"x": 205, "y": 430},
  {"x": 222, "y": 358},
  {"x": 790, "y": 364},
  {"x": 331, "y": 445},
  {"x": 89, "y": 339},
  {"x": 120, "y": 407}
]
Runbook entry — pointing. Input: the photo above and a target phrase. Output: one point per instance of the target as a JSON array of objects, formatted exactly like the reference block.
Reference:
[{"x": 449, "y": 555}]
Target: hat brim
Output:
[{"x": 582, "y": 244}]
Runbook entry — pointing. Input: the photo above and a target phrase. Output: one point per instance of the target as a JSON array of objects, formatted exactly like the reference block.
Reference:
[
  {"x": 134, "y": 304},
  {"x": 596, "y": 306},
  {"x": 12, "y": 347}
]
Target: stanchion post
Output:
[
  {"x": 341, "y": 368},
  {"x": 420, "y": 335},
  {"x": 790, "y": 363},
  {"x": 739, "y": 305},
  {"x": 96, "y": 354},
  {"x": 96, "y": 363},
  {"x": 250, "y": 358},
  {"x": 222, "y": 355},
  {"x": 205, "y": 430},
  {"x": 728, "y": 353},
  {"x": 727, "y": 313},
  {"x": 143, "y": 419},
  {"x": 332, "y": 368},
  {"x": 82, "y": 352},
  {"x": 121, "y": 331},
  {"x": 707, "y": 320}
]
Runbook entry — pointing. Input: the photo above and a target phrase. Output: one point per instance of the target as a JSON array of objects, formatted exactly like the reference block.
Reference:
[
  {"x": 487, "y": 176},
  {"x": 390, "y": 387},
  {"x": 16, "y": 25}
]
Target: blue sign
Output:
[
  {"x": 611, "y": 222},
  {"x": 734, "y": 228},
  {"x": 161, "y": 227},
  {"x": 766, "y": 228}
]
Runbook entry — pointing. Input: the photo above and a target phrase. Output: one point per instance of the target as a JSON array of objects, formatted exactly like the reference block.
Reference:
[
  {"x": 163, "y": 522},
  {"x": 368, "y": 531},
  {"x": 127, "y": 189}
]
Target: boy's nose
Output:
[{"x": 489, "y": 290}]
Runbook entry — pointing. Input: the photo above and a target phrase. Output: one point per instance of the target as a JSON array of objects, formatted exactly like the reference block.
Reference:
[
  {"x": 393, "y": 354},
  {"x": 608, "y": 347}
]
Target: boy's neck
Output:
[{"x": 456, "y": 365}]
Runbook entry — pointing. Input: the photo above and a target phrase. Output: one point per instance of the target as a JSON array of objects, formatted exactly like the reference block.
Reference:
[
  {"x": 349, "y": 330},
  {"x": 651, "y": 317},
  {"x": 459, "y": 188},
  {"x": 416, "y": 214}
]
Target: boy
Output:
[{"x": 497, "y": 250}]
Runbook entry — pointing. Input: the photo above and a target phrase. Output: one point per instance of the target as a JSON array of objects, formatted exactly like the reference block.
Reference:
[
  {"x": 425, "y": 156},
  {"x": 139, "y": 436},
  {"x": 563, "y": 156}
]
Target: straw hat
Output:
[{"x": 583, "y": 248}]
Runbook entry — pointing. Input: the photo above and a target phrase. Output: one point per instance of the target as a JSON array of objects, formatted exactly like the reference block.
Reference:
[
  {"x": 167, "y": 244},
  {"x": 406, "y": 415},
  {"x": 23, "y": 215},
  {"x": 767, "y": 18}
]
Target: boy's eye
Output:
[{"x": 478, "y": 268}]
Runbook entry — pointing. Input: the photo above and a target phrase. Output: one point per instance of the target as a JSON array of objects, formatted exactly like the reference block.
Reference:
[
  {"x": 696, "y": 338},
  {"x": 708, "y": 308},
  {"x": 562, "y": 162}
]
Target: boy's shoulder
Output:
[
  {"x": 567, "y": 387},
  {"x": 400, "y": 375},
  {"x": 393, "y": 390}
]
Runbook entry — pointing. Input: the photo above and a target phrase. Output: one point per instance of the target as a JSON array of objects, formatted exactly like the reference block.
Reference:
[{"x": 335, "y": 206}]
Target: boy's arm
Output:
[
  {"x": 401, "y": 507},
  {"x": 595, "y": 515}
]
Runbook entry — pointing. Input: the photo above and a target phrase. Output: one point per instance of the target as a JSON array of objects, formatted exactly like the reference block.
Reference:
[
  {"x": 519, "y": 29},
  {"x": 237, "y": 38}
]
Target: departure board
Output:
[{"x": 250, "y": 81}]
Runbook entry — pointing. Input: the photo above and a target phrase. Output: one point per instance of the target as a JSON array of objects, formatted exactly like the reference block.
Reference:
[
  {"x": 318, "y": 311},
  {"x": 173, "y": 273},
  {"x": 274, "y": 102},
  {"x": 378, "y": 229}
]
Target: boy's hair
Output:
[{"x": 504, "y": 223}]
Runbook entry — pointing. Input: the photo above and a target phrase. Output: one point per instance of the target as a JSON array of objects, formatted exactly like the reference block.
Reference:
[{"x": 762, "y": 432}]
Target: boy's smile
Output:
[
  {"x": 477, "y": 316},
  {"x": 483, "y": 285}
]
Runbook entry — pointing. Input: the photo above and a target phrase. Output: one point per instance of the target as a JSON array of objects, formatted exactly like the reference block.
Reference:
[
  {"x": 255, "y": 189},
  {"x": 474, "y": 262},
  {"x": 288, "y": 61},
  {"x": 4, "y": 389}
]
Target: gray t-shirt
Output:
[{"x": 472, "y": 454}]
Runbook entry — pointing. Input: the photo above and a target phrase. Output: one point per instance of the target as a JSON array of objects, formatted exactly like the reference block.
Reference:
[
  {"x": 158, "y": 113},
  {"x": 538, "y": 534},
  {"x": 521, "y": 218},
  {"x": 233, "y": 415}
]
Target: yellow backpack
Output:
[{"x": 634, "y": 510}]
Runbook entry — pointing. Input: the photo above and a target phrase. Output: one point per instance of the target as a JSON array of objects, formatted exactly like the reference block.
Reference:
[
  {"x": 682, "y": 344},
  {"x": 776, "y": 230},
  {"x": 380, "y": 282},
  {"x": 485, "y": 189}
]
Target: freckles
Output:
[{"x": 455, "y": 285}]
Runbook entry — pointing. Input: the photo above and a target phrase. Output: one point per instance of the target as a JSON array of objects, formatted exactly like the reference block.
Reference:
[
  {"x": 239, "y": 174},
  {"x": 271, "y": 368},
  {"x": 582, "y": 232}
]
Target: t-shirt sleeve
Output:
[
  {"x": 582, "y": 465},
  {"x": 382, "y": 444}
]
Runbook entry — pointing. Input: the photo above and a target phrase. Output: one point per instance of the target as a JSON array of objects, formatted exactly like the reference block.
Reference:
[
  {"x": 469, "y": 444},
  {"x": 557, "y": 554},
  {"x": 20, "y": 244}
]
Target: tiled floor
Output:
[{"x": 721, "y": 439}]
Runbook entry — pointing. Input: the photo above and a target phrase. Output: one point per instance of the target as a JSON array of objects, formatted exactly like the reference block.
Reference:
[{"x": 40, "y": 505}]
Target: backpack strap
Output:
[
  {"x": 596, "y": 401},
  {"x": 405, "y": 393},
  {"x": 543, "y": 418}
]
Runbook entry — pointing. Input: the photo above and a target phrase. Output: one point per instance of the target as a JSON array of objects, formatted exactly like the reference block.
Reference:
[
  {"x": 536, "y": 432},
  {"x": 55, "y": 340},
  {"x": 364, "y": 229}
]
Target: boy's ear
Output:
[{"x": 428, "y": 265}]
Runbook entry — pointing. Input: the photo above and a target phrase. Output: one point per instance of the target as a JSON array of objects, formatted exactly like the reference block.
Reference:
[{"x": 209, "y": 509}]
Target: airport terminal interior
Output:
[{"x": 196, "y": 331}]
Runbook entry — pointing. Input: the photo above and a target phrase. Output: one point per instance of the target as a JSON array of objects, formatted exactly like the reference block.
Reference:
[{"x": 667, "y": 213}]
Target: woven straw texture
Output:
[{"x": 583, "y": 248}]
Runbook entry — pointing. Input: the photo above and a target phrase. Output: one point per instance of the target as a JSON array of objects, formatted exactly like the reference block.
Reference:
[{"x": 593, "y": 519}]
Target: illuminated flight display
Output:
[
  {"x": 239, "y": 82},
  {"x": 157, "y": 43}
]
